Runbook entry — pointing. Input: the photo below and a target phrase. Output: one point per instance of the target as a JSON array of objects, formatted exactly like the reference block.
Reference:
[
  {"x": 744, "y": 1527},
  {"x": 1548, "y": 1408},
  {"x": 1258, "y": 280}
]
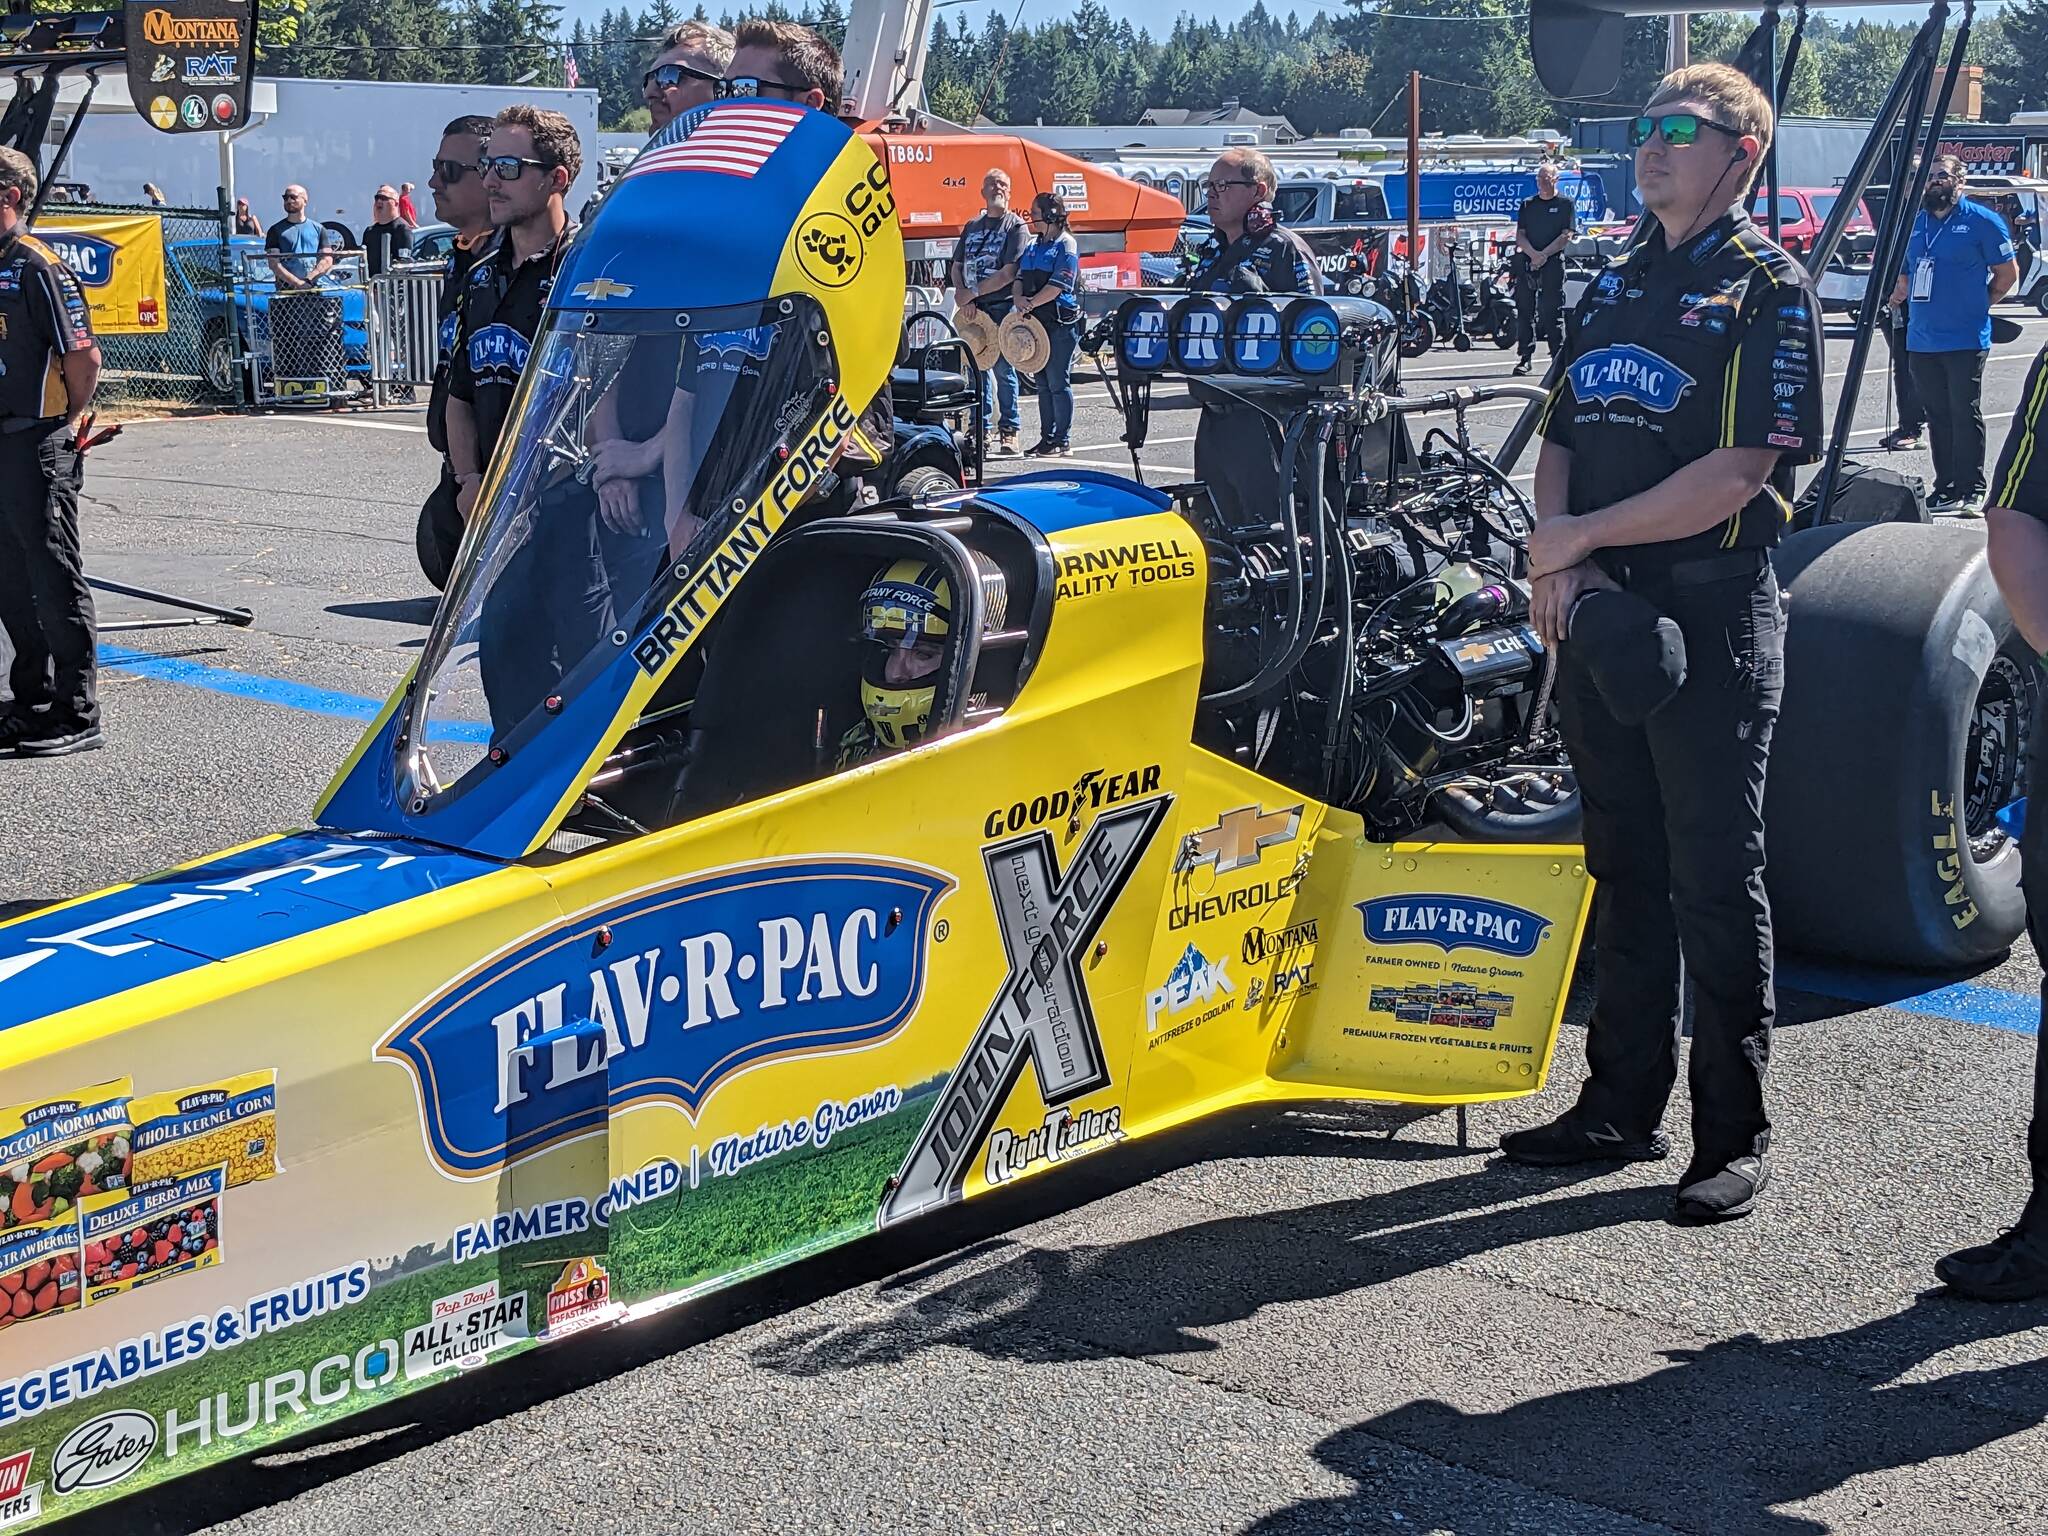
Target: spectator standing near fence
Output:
[
  {"x": 458, "y": 190},
  {"x": 49, "y": 368},
  {"x": 407, "y": 209},
  {"x": 1959, "y": 262},
  {"x": 246, "y": 222},
  {"x": 305, "y": 321},
  {"x": 388, "y": 240}
]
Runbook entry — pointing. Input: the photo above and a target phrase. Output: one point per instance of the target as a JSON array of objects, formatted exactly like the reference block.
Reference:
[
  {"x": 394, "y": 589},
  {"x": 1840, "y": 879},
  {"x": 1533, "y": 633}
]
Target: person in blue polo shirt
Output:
[{"x": 1959, "y": 262}]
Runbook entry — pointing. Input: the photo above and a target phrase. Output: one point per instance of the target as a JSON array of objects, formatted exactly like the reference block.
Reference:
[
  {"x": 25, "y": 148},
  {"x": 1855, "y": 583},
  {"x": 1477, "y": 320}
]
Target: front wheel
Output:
[
  {"x": 926, "y": 482},
  {"x": 2041, "y": 296},
  {"x": 1417, "y": 335},
  {"x": 218, "y": 366}
]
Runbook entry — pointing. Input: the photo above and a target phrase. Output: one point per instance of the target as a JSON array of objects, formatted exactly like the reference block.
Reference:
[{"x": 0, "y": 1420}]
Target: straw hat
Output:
[
  {"x": 979, "y": 332},
  {"x": 1025, "y": 345}
]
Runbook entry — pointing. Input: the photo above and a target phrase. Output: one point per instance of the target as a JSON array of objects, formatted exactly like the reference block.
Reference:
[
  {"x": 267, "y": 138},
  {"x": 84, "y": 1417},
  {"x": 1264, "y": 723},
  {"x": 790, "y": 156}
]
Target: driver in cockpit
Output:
[{"x": 906, "y": 614}]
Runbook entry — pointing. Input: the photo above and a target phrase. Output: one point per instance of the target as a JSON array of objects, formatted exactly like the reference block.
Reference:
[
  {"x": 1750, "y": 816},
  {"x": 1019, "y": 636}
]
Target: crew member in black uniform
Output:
[
  {"x": 459, "y": 200},
  {"x": 1543, "y": 228},
  {"x": 527, "y": 168},
  {"x": 2014, "y": 1265},
  {"x": 1237, "y": 445},
  {"x": 1691, "y": 386},
  {"x": 49, "y": 367}
]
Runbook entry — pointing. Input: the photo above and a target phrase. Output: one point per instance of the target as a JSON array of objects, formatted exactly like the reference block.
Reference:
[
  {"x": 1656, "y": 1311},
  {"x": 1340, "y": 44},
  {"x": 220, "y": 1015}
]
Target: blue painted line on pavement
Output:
[
  {"x": 1927, "y": 997},
  {"x": 280, "y": 691}
]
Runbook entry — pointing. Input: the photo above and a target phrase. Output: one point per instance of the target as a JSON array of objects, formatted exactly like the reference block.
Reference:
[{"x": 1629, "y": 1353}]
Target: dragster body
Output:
[{"x": 581, "y": 996}]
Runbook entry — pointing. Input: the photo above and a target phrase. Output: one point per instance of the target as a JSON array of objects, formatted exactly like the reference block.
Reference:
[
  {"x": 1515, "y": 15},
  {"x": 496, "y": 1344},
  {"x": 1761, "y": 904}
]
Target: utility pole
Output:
[
  {"x": 1678, "y": 45},
  {"x": 1415, "y": 172}
]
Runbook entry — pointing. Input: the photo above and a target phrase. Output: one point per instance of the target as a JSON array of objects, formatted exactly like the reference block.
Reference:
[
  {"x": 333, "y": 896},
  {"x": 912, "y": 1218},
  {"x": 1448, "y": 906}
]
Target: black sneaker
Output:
[
  {"x": 15, "y": 729},
  {"x": 1575, "y": 1138},
  {"x": 2012, "y": 1267},
  {"x": 1721, "y": 1193},
  {"x": 1042, "y": 450},
  {"x": 1525, "y": 367},
  {"x": 83, "y": 738}
]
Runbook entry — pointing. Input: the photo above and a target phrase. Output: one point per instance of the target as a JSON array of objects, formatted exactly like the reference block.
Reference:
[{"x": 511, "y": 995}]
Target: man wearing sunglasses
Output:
[
  {"x": 1237, "y": 444},
  {"x": 781, "y": 61},
  {"x": 1691, "y": 385},
  {"x": 1959, "y": 262},
  {"x": 527, "y": 168},
  {"x": 687, "y": 71},
  {"x": 459, "y": 200}
]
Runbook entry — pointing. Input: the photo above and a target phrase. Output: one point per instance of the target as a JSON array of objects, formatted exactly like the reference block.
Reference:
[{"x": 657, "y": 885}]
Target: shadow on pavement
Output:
[
  {"x": 397, "y": 610},
  {"x": 1718, "y": 1439}
]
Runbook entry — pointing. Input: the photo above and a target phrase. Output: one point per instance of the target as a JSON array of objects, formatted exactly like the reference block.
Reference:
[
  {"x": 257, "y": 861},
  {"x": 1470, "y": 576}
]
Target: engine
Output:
[{"x": 1423, "y": 692}]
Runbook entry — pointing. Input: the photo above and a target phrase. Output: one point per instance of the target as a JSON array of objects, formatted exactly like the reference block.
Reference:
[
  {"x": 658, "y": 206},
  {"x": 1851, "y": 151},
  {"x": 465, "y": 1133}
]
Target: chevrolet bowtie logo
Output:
[
  {"x": 1239, "y": 838},
  {"x": 599, "y": 288}
]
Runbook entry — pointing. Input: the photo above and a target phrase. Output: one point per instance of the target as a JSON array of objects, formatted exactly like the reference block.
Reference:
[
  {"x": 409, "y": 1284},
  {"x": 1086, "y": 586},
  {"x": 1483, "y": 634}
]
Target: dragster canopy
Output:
[{"x": 738, "y": 294}]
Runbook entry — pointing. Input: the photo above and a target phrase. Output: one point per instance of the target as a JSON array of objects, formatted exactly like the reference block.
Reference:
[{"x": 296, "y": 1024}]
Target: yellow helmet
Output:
[{"x": 907, "y": 608}]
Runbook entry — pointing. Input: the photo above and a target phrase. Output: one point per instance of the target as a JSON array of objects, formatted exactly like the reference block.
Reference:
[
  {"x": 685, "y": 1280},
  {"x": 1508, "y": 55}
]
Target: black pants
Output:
[
  {"x": 1951, "y": 386},
  {"x": 1674, "y": 834},
  {"x": 1237, "y": 455},
  {"x": 44, "y": 601},
  {"x": 1539, "y": 302},
  {"x": 1912, "y": 414},
  {"x": 2034, "y": 880}
]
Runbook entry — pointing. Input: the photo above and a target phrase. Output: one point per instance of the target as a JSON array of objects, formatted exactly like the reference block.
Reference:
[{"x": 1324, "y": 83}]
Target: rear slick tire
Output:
[{"x": 1909, "y": 700}]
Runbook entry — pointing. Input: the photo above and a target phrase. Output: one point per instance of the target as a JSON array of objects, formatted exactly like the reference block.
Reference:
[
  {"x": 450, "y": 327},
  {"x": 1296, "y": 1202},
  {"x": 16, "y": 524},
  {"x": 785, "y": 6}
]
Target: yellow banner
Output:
[{"x": 119, "y": 260}]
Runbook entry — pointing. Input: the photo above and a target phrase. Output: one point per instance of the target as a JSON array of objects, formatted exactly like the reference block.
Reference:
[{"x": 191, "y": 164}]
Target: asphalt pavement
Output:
[{"x": 1319, "y": 1319}]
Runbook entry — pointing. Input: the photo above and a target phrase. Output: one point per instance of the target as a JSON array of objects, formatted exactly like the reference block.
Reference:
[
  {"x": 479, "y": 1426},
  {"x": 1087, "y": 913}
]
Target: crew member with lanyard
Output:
[
  {"x": 1237, "y": 445},
  {"x": 1691, "y": 386}
]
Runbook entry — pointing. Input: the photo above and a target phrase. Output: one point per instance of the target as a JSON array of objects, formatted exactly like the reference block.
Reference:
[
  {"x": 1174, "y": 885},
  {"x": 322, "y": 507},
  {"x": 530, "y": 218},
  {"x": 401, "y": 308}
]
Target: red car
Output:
[{"x": 1802, "y": 211}]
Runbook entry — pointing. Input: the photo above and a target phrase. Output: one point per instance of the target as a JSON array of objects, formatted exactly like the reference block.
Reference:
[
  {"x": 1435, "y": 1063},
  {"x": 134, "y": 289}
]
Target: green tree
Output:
[
  {"x": 1334, "y": 94},
  {"x": 2016, "y": 76}
]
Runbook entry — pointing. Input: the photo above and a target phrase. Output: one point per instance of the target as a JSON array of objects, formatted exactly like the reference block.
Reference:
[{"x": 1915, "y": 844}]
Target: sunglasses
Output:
[
  {"x": 383, "y": 197},
  {"x": 508, "y": 167},
  {"x": 1680, "y": 130},
  {"x": 1211, "y": 187},
  {"x": 451, "y": 172},
  {"x": 756, "y": 85},
  {"x": 669, "y": 76}
]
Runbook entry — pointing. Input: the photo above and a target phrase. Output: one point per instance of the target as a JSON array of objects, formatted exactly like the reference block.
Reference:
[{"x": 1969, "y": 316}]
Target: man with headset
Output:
[
  {"x": 1691, "y": 386},
  {"x": 1237, "y": 445}
]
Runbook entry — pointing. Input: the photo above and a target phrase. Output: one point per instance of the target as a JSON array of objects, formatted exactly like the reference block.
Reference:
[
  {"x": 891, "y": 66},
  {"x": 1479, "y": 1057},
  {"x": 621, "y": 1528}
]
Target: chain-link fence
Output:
[
  {"x": 187, "y": 359},
  {"x": 307, "y": 336}
]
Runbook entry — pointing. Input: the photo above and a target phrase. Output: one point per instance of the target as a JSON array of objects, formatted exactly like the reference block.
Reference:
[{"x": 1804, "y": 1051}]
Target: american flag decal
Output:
[{"x": 731, "y": 138}]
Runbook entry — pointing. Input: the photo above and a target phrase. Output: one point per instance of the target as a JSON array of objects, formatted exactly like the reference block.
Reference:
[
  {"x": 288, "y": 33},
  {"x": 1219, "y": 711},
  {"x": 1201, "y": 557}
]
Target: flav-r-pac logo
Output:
[
  {"x": 1454, "y": 922},
  {"x": 661, "y": 998},
  {"x": 1625, "y": 371}
]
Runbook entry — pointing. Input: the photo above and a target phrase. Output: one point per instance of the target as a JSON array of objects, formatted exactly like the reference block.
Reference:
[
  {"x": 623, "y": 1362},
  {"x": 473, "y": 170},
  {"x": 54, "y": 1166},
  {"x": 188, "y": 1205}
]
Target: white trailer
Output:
[{"x": 337, "y": 138}]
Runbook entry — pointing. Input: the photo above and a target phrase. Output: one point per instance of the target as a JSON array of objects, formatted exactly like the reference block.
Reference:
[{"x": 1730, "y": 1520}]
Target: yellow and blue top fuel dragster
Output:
[{"x": 639, "y": 947}]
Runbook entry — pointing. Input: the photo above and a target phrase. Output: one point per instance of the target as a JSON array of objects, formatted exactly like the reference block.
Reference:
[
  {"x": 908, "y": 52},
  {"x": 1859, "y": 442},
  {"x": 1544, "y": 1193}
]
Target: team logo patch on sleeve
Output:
[{"x": 1625, "y": 371}]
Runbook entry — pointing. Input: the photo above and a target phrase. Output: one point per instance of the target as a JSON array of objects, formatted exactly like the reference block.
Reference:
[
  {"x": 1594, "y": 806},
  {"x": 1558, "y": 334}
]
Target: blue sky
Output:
[{"x": 1156, "y": 16}]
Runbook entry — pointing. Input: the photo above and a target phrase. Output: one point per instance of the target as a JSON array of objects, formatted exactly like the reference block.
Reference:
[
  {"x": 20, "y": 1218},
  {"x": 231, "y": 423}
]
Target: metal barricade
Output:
[
  {"x": 307, "y": 345},
  {"x": 405, "y": 324}
]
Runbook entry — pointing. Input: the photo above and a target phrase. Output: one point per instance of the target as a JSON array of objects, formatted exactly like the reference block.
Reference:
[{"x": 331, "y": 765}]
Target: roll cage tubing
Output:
[{"x": 1577, "y": 49}]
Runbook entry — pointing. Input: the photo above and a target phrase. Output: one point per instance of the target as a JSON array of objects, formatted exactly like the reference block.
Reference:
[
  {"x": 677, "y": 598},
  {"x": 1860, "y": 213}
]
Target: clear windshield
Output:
[{"x": 635, "y": 443}]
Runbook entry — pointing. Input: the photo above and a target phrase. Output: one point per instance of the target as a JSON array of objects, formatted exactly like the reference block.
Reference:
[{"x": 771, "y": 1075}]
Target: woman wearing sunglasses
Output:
[
  {"x": 1691, "y": 386},
  {"x": 1048, "y": 288}
]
